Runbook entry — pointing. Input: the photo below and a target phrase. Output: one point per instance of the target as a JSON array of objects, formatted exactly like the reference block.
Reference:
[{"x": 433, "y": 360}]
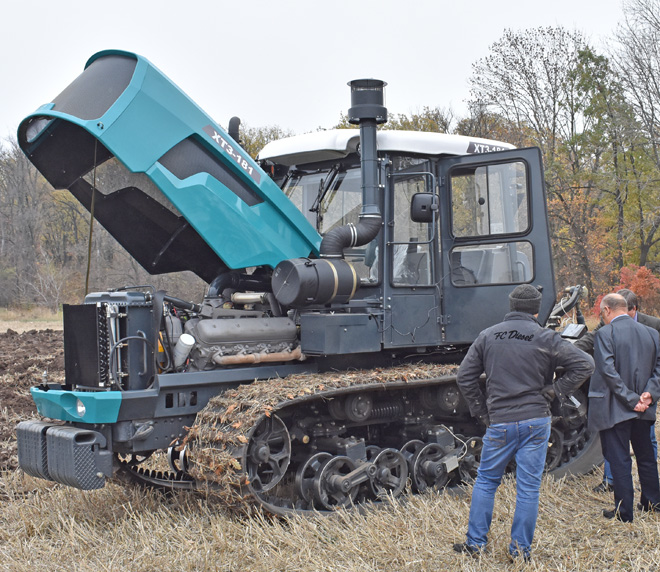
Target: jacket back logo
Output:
[{"x": 513, "y": 335}]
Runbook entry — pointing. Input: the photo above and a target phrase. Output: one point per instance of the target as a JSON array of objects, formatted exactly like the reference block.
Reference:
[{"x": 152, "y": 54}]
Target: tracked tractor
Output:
[{"x": 348, "y": 272}]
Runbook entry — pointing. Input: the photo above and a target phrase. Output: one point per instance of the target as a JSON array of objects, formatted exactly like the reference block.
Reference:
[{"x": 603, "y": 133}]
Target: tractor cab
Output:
[{"x": 464, "y": 221}]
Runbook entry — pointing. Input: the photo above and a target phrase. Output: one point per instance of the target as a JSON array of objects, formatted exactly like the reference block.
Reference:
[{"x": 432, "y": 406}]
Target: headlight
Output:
[{"x": 80, "y": 408}]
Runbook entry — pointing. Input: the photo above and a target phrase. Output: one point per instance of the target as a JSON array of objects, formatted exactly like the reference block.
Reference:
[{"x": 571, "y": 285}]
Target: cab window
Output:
[{"x": 489, "y": 200}]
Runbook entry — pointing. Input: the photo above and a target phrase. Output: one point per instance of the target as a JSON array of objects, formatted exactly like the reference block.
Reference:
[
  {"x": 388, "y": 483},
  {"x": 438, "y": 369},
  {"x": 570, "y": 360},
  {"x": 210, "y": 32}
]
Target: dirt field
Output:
[{"x": 24, "y": 357}]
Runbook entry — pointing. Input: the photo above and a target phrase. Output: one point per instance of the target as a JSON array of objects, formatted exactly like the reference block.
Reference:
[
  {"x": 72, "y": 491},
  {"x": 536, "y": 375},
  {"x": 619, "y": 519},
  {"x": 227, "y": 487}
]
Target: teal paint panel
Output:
[
  {"x": 227, "y": 223},
  {"x": 230, "y": 202},
  {"x": 100, "y": 407}
]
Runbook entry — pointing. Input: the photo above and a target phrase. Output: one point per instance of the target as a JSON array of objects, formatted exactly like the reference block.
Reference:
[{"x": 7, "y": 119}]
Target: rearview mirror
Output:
[{"x": 422, "y": 207}]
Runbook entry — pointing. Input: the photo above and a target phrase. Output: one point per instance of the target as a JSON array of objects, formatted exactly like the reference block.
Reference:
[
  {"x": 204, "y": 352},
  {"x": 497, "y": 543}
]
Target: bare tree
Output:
[
  {"x": 23, "y": 204},
  {"x": 636, "y": 56},
  {"x": 526, "y": 80},
  {"x": 531, "y": 80}
]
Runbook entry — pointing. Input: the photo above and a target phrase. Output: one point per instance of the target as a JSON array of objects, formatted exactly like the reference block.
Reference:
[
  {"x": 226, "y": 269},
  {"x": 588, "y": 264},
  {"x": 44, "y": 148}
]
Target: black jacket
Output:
[{"x": 519, "y": 358}]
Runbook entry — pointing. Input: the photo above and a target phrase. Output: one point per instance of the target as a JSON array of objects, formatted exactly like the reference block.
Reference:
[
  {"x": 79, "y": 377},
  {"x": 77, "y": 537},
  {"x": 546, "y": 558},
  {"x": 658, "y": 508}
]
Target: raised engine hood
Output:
[{"x": 167, "y": 182}]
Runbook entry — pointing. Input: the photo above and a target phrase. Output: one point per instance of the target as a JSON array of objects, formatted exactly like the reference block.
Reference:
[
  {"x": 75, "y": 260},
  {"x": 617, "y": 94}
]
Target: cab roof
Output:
[{"x": 338, "y": 143}]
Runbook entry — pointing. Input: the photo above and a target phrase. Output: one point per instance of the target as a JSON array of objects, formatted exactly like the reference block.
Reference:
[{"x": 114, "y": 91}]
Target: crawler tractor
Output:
[{"x": 348, "y": 272}]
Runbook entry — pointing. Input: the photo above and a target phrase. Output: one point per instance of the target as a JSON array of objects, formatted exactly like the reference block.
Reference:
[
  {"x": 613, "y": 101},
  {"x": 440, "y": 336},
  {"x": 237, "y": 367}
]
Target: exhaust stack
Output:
[
  {"x": 302, "y": 282},
  {"x": 368, "y": 111}
]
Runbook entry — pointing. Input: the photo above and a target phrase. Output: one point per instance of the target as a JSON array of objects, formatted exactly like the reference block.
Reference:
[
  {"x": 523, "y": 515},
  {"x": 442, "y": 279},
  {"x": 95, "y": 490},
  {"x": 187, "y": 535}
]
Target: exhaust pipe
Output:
[
  {"x": 367, "y": 111},
  {"x": 303, "y": 282},
  {"x": 233, "y": 129}
]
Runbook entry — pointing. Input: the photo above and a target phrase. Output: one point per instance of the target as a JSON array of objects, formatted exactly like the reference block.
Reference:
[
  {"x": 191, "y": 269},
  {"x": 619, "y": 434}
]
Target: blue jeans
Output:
[
  {"x": 527, "y": 441},
  {"x": 607, "y": 472}
]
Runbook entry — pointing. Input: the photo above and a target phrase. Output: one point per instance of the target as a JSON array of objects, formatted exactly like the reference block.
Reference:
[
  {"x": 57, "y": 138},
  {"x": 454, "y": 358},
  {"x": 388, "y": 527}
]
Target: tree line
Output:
[{"x": 593, "y": 112}]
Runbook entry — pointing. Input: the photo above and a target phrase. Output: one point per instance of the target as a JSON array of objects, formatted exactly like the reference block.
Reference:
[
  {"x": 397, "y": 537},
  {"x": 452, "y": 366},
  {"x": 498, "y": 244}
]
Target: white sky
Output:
[{"x": 276, "y": 62}]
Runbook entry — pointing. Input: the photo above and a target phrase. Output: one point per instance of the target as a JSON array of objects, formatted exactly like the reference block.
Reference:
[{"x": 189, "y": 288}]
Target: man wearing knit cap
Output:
[{"x": 519, "y": 358}]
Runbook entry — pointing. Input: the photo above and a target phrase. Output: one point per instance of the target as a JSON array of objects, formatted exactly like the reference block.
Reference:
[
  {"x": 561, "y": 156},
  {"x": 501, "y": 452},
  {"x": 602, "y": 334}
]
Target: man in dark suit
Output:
[
  {"x": 586, "y": 343},
  {"x": 635, "y": 314},
  {"x": 622, "y": 403}
]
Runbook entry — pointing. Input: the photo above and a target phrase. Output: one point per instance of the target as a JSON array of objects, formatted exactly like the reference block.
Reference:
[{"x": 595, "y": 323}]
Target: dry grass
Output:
[{"x": 52, "y": 528}]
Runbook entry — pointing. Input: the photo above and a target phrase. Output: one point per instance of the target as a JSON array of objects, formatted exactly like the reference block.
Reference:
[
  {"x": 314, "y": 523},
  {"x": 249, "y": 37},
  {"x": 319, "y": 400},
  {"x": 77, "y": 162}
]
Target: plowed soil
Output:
[{"x": 24, "y": 357}]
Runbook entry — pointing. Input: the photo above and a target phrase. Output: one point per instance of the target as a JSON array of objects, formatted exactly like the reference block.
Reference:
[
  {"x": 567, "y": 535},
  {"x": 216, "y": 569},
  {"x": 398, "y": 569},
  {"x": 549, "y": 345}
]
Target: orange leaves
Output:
[{"x": 644, "y": 283}]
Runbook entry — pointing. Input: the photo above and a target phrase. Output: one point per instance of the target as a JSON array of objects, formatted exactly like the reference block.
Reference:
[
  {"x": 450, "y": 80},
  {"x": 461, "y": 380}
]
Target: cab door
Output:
[
  {"x": 409, "y": 289},
  {"x": 494, "y": 236}
]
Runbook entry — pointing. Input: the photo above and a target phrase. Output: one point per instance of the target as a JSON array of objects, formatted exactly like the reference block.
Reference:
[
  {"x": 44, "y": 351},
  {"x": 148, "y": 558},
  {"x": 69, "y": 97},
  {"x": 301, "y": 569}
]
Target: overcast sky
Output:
[{"x": 276, "y": 62}]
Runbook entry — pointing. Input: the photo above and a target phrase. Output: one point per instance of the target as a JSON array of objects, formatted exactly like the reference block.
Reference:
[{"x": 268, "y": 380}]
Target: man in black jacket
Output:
[
  {"x": 622, "y": 403},
  {"x": 520, "y": 359}
]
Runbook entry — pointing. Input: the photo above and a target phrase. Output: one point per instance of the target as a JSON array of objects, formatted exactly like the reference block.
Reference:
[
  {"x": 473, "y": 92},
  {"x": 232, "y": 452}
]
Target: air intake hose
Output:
[
  {"x": 349, "y": 235},
  {"x": 367, "y": 111}
]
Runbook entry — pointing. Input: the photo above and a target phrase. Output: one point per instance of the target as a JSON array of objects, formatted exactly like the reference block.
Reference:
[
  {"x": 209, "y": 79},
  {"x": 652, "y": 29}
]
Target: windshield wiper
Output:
[{"x": 324, "y": 185}]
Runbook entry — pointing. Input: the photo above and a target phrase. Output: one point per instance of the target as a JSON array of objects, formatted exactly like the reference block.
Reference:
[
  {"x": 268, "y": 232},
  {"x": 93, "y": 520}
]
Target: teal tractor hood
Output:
[{"x": 160, "y": 175}]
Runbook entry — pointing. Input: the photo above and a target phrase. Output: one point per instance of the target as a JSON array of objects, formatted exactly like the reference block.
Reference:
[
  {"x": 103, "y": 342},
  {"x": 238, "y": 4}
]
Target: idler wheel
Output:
[
  {"x": 330, "y": 489},
  {"x": 428, "y": 470},
  {"x": 372, "y": 452},
  {"x": 336, "y": 409},
  {"x": 391, "y": 473},
  {"x": 306, "y": 474},
  {"x": 268, "y": 454},
  {"x": 409, "y": 450},
  {"x": 449, "y": 398},
  {"x": 555, "y": 449},
  {"x": 177, "y": 458},
  {"x": 358, "y": 407},
  {"x": 469, "y": 464}
]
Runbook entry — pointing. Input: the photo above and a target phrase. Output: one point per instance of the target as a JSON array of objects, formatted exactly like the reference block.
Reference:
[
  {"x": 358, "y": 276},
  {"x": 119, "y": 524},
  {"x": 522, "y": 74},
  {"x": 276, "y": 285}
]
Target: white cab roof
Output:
[{"x": 337, "y": 143}]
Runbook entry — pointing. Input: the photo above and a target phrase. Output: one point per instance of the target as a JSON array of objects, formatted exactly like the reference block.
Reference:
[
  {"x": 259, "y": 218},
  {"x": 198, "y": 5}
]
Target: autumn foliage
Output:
[{"x": 642, "y": 282}]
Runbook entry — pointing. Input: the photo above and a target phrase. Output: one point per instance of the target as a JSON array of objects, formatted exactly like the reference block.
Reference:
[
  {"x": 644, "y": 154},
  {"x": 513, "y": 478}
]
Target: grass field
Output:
[
  {"x": 25, "y": 320},
  {"x": 52, "y": 528}
]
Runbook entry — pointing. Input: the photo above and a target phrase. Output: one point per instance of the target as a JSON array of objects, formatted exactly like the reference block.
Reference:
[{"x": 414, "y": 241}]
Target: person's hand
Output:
[
  {"x": 644, "y": 402},
  {"x": 549, "y": 393}
]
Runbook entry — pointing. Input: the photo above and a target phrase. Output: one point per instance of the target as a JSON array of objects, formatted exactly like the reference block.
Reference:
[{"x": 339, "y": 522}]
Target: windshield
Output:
[{"x": 330, "y": 198}]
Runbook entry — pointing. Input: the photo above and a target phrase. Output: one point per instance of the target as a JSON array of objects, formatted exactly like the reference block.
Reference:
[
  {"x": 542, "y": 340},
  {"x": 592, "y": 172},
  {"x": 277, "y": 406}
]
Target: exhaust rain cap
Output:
[{"x": 367, "y": 101}]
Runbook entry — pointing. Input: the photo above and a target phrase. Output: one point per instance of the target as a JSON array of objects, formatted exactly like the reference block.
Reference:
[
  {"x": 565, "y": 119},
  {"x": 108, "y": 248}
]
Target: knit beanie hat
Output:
[{"x": 525, "y": 298}]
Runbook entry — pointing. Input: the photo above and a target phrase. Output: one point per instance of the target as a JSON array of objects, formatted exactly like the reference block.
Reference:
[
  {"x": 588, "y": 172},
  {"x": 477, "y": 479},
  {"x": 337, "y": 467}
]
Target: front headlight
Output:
[{"x": 80, "y": 408}]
